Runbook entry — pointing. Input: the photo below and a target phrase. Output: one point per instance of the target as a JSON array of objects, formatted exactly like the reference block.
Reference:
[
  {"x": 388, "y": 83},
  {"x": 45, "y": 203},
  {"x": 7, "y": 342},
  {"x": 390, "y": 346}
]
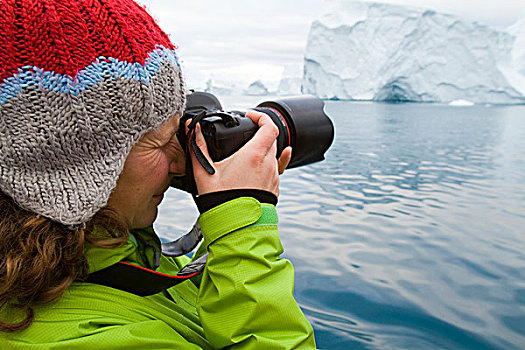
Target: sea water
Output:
[{"x": 411, "y": 234}]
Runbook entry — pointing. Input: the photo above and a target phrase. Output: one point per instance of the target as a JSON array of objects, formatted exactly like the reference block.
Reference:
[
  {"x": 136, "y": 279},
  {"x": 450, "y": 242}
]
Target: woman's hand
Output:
[{"x": 254, "y": 166}]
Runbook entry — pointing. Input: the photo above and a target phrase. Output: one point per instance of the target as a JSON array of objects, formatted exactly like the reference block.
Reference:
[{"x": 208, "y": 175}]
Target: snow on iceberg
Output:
[{"x": 384, "y": 52}]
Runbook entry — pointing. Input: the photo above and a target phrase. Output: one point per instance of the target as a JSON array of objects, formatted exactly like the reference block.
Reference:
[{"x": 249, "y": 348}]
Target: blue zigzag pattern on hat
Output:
[{"x": 91, "y": 75}]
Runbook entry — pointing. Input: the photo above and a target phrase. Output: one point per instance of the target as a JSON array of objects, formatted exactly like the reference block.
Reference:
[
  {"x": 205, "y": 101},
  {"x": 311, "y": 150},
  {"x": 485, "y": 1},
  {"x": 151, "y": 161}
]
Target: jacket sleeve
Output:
[{"x": 245, "y": 297}]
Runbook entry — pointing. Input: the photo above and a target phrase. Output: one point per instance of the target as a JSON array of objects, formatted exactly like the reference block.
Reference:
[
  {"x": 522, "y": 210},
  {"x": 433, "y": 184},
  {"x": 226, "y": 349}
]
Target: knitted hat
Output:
[{"x": 80, "y": 82}]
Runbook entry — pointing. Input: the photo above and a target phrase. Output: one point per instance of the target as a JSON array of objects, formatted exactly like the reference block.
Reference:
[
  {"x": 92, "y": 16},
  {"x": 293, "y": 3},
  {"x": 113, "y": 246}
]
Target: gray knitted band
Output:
[{"x": 63, "y": 140}]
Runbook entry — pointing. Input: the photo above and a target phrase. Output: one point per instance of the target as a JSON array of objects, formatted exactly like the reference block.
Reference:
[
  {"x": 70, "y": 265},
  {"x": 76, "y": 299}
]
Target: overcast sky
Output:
[{"x": 242, "y": 41}]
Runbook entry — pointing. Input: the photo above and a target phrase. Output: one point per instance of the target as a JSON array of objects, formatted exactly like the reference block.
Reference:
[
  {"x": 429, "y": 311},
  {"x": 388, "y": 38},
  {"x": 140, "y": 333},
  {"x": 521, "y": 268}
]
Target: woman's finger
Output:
[
  {"x": 267, "y": 133},
  {"x": 284, "y": 159}
]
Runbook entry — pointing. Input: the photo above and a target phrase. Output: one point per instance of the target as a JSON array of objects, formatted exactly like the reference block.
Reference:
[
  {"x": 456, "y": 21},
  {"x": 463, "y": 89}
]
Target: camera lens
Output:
[{"x": 302, "y": 124}]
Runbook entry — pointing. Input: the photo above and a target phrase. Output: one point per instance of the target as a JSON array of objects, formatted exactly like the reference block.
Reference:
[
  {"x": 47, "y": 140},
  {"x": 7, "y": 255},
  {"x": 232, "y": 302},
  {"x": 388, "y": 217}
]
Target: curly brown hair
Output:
[{"x": 40, "y": 258}]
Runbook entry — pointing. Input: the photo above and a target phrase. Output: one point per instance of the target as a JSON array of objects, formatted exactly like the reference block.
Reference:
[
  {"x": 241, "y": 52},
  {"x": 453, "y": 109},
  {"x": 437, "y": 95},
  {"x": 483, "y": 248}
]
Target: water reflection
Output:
[{"x": 413, "y": 195}]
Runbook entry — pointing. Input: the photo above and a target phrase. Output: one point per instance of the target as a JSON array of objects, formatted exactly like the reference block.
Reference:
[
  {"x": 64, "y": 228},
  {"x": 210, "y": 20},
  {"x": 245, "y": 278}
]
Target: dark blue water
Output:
[{"x": 411, "y": 234}]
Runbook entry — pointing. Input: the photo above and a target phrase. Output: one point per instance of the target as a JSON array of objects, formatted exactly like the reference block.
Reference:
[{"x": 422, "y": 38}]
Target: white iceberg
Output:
[
  {"x": 291, "y": 81},
  {"x": 518, "y": 51},
  {"x": 221, "y": 89},
  {"x": 257, "y": 88},
  {"x": 514, "y": 68},
  {"x": 290, "y": 86},
  {"x": 376, "y": 51}
]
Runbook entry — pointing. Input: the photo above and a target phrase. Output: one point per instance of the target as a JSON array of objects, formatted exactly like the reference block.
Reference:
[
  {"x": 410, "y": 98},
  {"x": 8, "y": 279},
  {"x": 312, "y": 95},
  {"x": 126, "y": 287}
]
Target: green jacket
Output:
[{"x": 243, "y": 300}]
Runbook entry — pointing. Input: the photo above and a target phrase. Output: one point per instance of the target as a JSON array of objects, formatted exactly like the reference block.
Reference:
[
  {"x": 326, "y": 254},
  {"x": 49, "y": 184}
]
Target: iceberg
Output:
[
  {"x": 257, "y": 88},
  {"x": 290, "y": 86},
  {"x": 219, "y": 89},
  {"x": 374, "y": 51},
  {"x": 518, "y": 52},
  {"x": 514, "y": 69},
  {"x": 291, "y": 81}
]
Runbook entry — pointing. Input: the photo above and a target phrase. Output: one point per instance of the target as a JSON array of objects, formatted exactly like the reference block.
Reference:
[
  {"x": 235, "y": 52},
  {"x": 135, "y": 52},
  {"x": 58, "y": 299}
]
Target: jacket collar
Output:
[{"x": 143, "y": 248}]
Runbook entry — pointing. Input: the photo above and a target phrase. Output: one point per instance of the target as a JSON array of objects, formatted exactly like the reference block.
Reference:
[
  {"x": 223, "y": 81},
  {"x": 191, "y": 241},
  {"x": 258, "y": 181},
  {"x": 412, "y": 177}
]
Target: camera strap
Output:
[
  {"x": 196, "y": 150},
  {"x": 143, "y": 281}
]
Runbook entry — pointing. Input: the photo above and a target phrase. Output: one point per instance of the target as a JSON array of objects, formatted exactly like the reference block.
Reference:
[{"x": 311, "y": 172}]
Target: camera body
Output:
[{"x": 301, "y": 121}]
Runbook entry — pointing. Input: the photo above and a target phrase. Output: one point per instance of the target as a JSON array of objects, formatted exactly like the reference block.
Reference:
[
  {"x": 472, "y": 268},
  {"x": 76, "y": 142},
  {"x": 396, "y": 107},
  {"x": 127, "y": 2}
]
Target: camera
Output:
[{"x": 301, "y": 121}]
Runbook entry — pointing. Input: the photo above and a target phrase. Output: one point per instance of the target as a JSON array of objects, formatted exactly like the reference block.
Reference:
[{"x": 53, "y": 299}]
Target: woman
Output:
[{"x": 90, "y": 100}]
